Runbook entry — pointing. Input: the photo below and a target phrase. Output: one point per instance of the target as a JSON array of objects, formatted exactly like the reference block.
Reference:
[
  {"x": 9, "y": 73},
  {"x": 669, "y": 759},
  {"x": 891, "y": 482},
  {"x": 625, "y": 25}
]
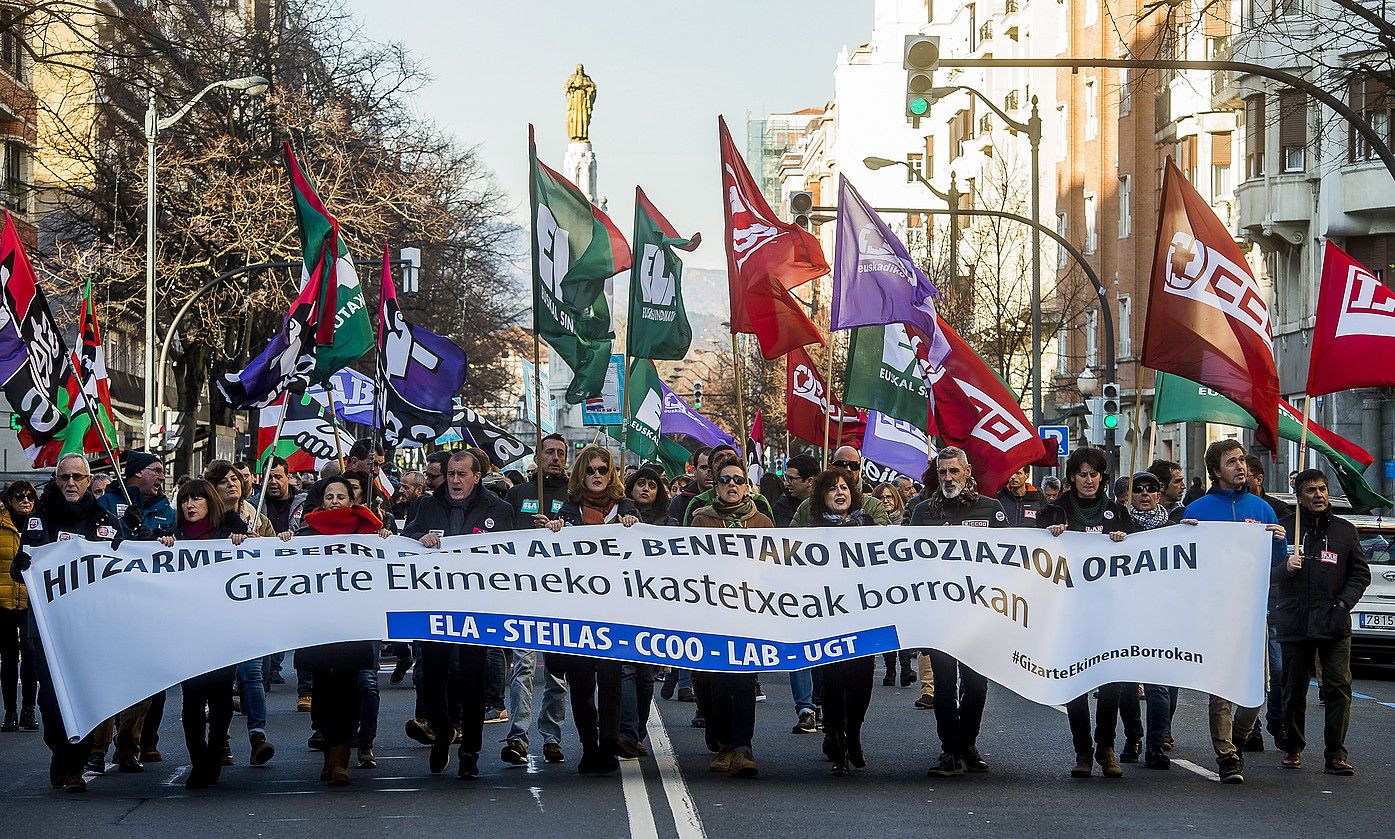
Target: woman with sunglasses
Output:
[
  {"x": 836, "y": 501},
  {"x": 595, "y": 495},
  {"x": 1085, "y": 508},
  {"x": 16, "y": 650},
  {"x": 728, "y": 700},
  {"x": 208, "y": 699}
]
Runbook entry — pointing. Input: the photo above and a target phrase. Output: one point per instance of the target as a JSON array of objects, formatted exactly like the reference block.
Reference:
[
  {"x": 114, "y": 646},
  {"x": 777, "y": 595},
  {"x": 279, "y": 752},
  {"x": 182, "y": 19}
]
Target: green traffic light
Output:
[
  {"x": 1111, "y": 421},
  {"x": 920, "y": 106}
]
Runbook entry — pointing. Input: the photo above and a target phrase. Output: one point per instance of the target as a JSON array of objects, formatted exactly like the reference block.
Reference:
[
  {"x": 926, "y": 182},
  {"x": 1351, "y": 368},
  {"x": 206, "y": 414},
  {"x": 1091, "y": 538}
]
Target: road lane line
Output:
[
  {"x": 637, "y": 801},
  {"x": 685, "y": 814}
]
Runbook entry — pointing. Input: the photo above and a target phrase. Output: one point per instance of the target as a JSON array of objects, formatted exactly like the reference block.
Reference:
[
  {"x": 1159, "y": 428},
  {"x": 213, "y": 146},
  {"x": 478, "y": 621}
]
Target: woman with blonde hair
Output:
[{"x": 595, "y": 495}]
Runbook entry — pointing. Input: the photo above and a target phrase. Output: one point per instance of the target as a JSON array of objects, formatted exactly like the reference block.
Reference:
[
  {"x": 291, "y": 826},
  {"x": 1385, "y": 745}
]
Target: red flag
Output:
[
  {"x": 1207, "y": 317},
  {"x": 1354, "y": 342},
  {"x": 765, "y": 258},
  {"x": 975, "y": 411},
  {"x": 806, "y": 398},
  {"x": 1331, "y": 438}
]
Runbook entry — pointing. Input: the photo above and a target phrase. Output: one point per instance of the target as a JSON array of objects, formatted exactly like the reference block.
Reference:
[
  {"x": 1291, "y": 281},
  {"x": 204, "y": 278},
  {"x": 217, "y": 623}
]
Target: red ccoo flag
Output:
[
  {"x": 1354, "y": 342},
  {"x": 1207, "y": 317},
  {"x": 765, "y": 258},
  {"x": 806, "y": 404}
]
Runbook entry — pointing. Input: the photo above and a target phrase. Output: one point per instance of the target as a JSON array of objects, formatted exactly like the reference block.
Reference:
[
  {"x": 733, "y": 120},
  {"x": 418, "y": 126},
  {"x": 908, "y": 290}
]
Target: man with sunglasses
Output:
[
  {"x": 66, "y": 510},
  {"x": 850, "y": 459}
]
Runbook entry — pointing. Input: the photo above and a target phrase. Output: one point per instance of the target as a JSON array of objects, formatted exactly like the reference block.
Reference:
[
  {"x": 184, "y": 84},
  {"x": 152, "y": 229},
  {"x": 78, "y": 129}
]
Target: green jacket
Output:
[{"x": 871, "y": 505}]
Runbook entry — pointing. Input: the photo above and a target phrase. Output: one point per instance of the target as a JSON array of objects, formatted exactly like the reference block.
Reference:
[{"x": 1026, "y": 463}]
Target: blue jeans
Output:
[
  {"x": 1274, "y": 713},
  {"x": 253, "y": 690},
  {"x": 368, "y": 702},
  {"x": 554, "y": 705},
  {"x": 1162, "y": 704},
  {"x": 802, "y": 689},
  {"x": 636, "y": 698},
  {"x": 683, "y": 679}
]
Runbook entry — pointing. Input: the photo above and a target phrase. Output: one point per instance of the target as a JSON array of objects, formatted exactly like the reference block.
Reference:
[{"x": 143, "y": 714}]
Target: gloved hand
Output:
[
  {"x": 19, "y": 565},
  {"x": 133, "y": 519}
]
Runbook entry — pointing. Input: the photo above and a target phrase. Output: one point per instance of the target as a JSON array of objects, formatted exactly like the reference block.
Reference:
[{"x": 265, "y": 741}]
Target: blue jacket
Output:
[
  {"x": 158, "y": 513},
  {"x": 1237, "y": 505}
]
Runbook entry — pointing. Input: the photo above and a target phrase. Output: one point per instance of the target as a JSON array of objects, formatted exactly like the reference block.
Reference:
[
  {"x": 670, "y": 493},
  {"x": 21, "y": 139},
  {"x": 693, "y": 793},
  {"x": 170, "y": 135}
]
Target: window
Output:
[
  {"x": 1125, "y": 93},
  {"x": 1125, "y": 206},
  {"x": 1092, "y": 117},
  {"x": 1293, "y": 130},
  {"x": 915, "y": 165},
  {"x": 1063, "y": 352},
  {"x": 1092, "y": 12},
  {"x": 1221, "y": 183},
  {"x": 14, "y": 176},
  {"x": 1125, "y": 336},
  {"x": 1254, "y": 136},
  {"x": 1091, "y": 225},
  {"x": 1374, "y": 102},
  {"x": 12, "y": 43},
  {"x": 1062, "y": 230},
  {"x": 1062, "y": 131},
  {"x": 1062, "y": 27},
  {"x": 930, "y": 157},
  {"x": 1288, "y": 8},
  {"x": 973, "y": 27}
]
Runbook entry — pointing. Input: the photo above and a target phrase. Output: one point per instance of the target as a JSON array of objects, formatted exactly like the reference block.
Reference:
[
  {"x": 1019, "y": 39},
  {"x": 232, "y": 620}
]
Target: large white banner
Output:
[{"x": 1049, "y": 618}]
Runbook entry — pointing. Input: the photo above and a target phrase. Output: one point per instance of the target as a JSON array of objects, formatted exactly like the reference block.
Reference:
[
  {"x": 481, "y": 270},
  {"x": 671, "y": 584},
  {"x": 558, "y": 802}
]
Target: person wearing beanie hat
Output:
[{"x": 149, "y": 513}]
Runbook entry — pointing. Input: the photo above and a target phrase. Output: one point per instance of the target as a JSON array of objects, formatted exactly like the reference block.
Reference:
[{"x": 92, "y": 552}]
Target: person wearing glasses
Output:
[
  {"x": 66, "y": 508},
  {"x": 16, "y": 652},
  {"x": 149, "y": 512},
  {"x": 453, "y": 675},
  {"x": 799, "y": 483},
  {"x": 595, "y": 495},
  {"x": 848, "y": 459},
  {"x": 727, "y": 701},
  {"x": 702, "y": 499}
]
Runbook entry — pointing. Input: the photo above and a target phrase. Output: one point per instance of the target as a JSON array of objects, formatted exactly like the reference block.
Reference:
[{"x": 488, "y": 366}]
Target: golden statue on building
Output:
[{"x": 581, "y": 100}]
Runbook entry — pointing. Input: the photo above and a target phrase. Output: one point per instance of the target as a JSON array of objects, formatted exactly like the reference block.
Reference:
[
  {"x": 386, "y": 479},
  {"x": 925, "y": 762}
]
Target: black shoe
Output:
[
  {"x": 96, "y": 763},
  {"x": 420, "y": 731},
  {"x": 202, "y": 774},
  {"x": 129, "y": 763},
  {"x": 889, "y": 680},
  {"x": 316, "y": 741},
  {"x": 594, "y": 761},
  {"x": 856, "y": 756},
  {"x": 686, "y": 694},
  {"x": 1232, "y": 769},
  {"x": 27, "y": 720},
  {"x": 760, "y": 694},
  {"x": 469, "y": 766},
  {"x": 670, "y": 685},
  {"x": 399, "y": 671},
  {"x": 698, "y": 721},
  {"x": 514, "y": 753},
  {"x": 926, "y": 702},
  {"x": 907, "y": 678},
  {"x": 440, "y": 756},
  {"x": 950, "y": 765},
  {"x": 973, "y": 761},
  {"x": 11, "y": 722},
  {"x": 1157, "y": 760},
  {"x": 1255, "y": 742},
  {"x": 1132, "y": 750},
  {"x": 1168, "y": 743}
]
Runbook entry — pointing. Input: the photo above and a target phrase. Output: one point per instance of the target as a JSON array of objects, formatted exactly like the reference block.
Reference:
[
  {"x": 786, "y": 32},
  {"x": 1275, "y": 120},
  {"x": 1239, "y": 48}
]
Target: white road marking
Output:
[
  {"x": 685, "y": 815},
  {"x": 174, "y": 777},
  {"x": 637, "y": 801}
]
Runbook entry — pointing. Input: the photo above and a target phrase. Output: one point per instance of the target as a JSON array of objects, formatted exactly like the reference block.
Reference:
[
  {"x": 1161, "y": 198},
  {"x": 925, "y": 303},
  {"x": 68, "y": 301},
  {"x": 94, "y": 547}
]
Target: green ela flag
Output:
[
  {"x": 576, "y": 252},
  {"x": 885, "y": 374},
  {"x": 658, "y": 326},
  {"x": 646, "y": 403},
  {"x": 325, "y": 254},
  {"x": 1182, "y": 400}
]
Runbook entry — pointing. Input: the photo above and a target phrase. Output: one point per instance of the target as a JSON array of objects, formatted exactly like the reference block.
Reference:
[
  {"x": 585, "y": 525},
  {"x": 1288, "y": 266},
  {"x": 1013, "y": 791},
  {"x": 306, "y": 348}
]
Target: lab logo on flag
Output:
[
  {"x": 1368, "y": 307},
  {"x": 1206, "y": 276},
  {"x": 807, "y": 386},
  {"x": 749, "y": 230}
]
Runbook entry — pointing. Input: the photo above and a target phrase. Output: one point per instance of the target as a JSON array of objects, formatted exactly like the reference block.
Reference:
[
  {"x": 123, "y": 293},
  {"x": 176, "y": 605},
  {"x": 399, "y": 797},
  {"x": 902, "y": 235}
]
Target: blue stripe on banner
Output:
[{"x": 695, "y": 650}]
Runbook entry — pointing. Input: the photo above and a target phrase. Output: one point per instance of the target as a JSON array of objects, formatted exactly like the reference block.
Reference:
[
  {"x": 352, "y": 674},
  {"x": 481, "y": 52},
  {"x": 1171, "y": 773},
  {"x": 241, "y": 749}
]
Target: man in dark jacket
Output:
[
  {"x": 1315, "y": 590},
  {"x": 148, "y": 513},
  {"x": 67, "y": 510},
  {"x": 800, "y": 473},
  {"x": 552, "y": 460},
  {"x": 957, "y": 717},
  {"x": 1019, "y": 500},
  {"x": 460, "y": 506}
]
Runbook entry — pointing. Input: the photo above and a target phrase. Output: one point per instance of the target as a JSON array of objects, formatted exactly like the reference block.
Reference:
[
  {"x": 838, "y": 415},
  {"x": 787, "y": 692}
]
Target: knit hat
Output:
[{"x": 136, "y": 461}]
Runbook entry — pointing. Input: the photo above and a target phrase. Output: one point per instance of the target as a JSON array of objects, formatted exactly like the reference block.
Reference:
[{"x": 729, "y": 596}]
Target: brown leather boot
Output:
[
  {"x": 1084, "y": 765},
  {"x": 339, "y": 770},
  {"x": 1109, "y": 764},
  {"x": 328, "y": 771}
]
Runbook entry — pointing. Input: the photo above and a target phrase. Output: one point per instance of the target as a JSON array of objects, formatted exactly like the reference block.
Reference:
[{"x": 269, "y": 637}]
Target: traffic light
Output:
[
  {"x": 801, "y": 204},
  {"x": 1110, "y": 396},
  {"x": 697, "y": 396},
  {"x": 922, "y": 55},
  {"x": 1094, "y": 420},
  {"x": 15, "y": 422}
]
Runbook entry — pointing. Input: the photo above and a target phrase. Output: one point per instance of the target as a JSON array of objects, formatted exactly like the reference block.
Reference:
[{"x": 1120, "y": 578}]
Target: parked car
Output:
[{"x": 1373, "y": 619}]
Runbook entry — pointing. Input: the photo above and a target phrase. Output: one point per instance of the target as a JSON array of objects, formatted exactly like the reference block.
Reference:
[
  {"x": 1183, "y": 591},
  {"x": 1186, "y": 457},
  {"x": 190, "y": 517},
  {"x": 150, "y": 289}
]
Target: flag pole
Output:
[
  {"x": 334, "y": 423},
  {"x": 537, "y": 404},
  {"x": 92, "y": 415},
  {"x": 1137, "y": 436},
  {"x": 833, "y": 346},
  {"x": 1302, "y": 461},
  {"x": 625, "y": 411},
  {"x": 827, "y": 398},
  {"x": 271, "y": 451},
  {"x": 740, "y": 395}
]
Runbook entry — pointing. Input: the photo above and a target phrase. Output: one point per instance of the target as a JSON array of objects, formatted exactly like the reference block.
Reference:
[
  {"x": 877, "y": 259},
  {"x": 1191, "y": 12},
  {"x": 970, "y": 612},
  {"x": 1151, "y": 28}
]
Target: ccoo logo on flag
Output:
[{"x": 1206, "y": 276}]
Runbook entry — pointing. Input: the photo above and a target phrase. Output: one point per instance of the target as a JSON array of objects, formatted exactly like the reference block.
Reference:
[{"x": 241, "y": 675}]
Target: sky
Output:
[{"x": 663, "y": 71}]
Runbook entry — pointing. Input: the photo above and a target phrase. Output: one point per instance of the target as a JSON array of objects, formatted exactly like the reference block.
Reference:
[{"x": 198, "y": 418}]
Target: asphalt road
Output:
[{"x": 671, "y": 793}]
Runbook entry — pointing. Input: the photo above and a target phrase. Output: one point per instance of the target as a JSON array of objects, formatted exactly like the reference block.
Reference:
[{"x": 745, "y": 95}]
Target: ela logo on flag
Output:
[{"x": 655, "y": 284}]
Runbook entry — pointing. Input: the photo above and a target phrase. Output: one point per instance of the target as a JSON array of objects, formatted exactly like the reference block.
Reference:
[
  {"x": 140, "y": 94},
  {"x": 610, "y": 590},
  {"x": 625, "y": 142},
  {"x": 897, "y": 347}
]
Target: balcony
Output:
[{"x": 1275, "y": 208}]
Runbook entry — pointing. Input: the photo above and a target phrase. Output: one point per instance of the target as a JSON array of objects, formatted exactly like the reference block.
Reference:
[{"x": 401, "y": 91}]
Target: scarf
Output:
[
  {"x": 343, "y": 521},
  {"x": 1085, "y": 513},
  {"x": 734, "y": 513},
  {"x": 1151, "y": 520},
  {"x": 595, "y": 507},
  {"x": 201, "y": 529}
]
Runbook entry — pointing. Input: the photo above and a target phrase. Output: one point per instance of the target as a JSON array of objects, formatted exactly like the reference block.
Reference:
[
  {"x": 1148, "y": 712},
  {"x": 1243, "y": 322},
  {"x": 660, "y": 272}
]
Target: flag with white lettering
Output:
[
  {"x": 658, "y": 326},
  {"x": 896, "y": 443},
  {"x": 1354, "y": 338},
  {"x": 887, "y": 372},
  {"x": 501, "y": 446},
  {"x": 811, "y": 406},
  {"x": 32, "y": 351}
]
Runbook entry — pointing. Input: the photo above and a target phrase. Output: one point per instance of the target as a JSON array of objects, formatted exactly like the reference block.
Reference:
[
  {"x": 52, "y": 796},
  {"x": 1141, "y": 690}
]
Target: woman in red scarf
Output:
[
  {"x": 595, "y": 495},
  {"x": 335, "y": 694},
  {"x": 208, "y": 699}
]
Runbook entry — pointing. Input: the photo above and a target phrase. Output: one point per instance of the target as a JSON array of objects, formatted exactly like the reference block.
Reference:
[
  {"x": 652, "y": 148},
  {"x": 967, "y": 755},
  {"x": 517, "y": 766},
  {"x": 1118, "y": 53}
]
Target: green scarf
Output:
[
  {"x": 734, "y": 514},
  {"x": 1086, "y": 513}
]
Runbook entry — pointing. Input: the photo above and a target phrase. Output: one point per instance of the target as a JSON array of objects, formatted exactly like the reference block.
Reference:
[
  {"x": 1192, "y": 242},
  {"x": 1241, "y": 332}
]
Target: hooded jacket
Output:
[{"x": 1315, "y": 602}]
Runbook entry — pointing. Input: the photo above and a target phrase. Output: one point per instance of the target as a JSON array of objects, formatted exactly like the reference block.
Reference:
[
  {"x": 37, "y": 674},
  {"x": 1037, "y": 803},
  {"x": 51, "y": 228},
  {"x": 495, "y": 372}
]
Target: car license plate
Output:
[{"x": 1370, "y": 621}]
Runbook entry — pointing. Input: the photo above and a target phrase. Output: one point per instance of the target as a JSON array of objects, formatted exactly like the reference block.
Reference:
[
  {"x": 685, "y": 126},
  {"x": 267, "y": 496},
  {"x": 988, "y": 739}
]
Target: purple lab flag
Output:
[
  {"x": 678, "y": 417},
  {"x": 895, "y": 444},
  {"x": 875, "y": 281}
]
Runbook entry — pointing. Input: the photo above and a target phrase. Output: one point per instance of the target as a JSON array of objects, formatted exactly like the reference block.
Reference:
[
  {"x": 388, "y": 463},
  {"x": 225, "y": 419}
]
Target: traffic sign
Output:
[{"x": 1060, "y": 434}]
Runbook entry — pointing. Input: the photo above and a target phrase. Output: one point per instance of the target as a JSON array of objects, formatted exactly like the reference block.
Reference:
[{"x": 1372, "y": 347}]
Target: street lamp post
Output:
[{"x": 248, "y": 86}]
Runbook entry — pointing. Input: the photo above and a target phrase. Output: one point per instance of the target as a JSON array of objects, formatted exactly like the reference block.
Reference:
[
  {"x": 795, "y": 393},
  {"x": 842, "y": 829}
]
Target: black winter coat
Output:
[
  {"x": 967, "y": 508},
  {"x": 1058, "y": 512},
  {"x": 1021, "y": 512},
  {"x": 480, "y": 512},
  {"x": 1315, "y": 602},
  {"x": 523, "y": 499}
]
